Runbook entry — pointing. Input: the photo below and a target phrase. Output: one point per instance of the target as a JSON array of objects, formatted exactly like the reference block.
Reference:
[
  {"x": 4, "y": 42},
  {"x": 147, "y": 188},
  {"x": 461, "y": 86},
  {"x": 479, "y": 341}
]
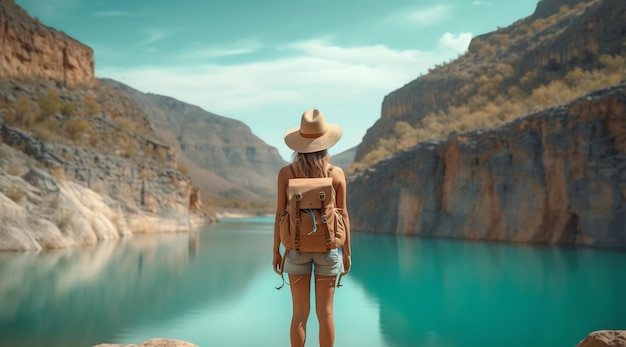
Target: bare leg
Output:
[
  {"x": 301, "y": 302},
  {"x": 324, "y": 294}
]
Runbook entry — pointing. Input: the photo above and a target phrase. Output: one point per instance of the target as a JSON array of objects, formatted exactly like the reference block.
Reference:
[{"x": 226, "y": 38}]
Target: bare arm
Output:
[
  {"x": 339, "y": 183},
  {"x": 281, "y": 204}
]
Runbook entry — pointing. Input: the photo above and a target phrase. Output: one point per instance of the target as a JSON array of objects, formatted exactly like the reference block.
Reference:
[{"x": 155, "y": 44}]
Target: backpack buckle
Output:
[
  {"x": 297, "y": 222},
  {"x": 298, "y": 196},
  {"x": 322, "y": 195},
  {"x": 324, "y": 219}
]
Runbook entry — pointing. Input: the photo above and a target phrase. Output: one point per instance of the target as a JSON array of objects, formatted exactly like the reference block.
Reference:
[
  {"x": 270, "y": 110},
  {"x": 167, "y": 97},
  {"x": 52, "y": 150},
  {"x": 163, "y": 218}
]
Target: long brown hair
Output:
[{"x": 312, "y": 164}]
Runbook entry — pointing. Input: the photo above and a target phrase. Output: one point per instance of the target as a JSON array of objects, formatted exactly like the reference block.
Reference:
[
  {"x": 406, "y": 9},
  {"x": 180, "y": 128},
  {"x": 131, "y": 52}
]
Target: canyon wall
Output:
[
  {"x": 544, "y": 46},
  {"x": 557, "y": 177},
  {"x": 29, "y": 48},
  {"x": 90, "y": 197}
]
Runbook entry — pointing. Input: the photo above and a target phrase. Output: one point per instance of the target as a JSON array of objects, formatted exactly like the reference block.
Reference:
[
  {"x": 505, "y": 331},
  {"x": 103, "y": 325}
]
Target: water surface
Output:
[{"x": 216, "y": 288}]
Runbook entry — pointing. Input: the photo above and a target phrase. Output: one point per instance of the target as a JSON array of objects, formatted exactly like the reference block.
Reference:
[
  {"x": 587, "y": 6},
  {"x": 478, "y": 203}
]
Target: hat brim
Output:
[{"x": 301, "y": 144}]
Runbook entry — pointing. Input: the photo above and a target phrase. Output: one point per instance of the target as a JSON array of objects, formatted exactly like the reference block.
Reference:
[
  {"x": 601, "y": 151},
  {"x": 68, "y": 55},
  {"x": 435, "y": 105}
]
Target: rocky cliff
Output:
[
  {"x": 577, "y": 39},
  {"x": 558, "y": 177},
  {"x": 29, "y": 48},
  {"x": 513, "y": 64},
  {"x": 77, "y": 165},
  {"x": 57, "y": 196}
]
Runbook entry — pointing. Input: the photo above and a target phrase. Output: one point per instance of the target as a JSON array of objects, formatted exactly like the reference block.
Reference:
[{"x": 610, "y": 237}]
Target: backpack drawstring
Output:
[{"x": 310, "y": 211}]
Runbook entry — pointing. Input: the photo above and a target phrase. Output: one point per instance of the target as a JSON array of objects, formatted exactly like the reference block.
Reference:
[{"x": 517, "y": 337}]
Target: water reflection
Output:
[
  {"x": 452, "y": 293},
  {"x": 84, "y": 296},
  {"x": 402, "y": 291}
]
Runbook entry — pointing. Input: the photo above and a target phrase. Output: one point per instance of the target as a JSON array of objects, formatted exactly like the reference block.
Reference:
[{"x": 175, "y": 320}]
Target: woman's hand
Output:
[
  {"x": 347, "y": 264},
  {"x": 277, "y": 262}
]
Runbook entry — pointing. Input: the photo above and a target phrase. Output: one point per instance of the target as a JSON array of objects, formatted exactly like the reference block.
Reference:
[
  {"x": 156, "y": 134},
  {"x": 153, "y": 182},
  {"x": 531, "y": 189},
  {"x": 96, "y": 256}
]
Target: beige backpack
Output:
[{"x": 311, "y": 222}]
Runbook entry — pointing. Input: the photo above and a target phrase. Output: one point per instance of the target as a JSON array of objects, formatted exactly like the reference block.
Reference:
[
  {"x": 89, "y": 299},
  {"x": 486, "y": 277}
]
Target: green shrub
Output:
[
  {"x": 76, "y": 128},
  {"x": 49, "y": 104},
  {"x": 14, "y": 169},
  {"x": 57, "y": 172},
  {"x": 20, "y": 112},
  {"x": 126, "y": 124},
  {"x": 92, "y": 105},
  {"x": 46, "y": 130},
  {"x": 68, "y": 109},
  {"x": 15, "y": 193},
  {"x": 183, "y": 169},
  {"x": 129, "y": 150}
]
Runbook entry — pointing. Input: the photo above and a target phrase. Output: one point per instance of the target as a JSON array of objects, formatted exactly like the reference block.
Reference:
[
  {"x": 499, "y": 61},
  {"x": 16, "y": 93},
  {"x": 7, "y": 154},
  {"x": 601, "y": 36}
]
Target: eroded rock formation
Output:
[
  {"x": 556, "y": 177},
  {"x": 29, "y": 48},
  {"x": 98, "y": 197}
]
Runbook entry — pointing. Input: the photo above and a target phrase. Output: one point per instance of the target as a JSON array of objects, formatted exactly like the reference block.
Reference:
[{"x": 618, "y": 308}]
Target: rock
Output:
[
  {"x": 555, "y": 177},
  {"x": 154, "y": 343},
  {"x": 574, "y": 41},
  {"x": 30, "y": 48},
  {"x": 57, "y": 214},
  {"x": 19, "y": 231},
  {"x": 42, "y": 180},
  {"x": 96, "y": 192},
  {"x": 605, "y": 338}
]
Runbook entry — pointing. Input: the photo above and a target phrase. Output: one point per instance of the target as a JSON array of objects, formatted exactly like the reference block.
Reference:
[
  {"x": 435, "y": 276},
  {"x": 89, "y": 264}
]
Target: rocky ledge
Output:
[{"x": 56, "y": 196}]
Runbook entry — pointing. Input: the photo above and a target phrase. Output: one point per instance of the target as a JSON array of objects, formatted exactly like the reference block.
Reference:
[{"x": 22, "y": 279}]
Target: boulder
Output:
[{"x": 604, "y": 338}]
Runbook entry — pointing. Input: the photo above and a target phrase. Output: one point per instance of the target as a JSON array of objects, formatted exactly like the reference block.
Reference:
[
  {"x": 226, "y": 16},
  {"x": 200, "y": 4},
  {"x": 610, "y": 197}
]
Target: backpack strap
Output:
[
  {"x": 296, "y": 241},
  {"x": 325, "y": 222}
]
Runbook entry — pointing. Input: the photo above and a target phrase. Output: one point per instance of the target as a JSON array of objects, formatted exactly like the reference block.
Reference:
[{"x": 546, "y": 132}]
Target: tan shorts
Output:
[{"x": 325, "y": 263}]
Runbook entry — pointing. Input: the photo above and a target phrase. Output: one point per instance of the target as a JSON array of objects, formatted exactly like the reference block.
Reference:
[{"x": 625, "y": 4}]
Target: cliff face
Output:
[
  {"x": 600, "y": 30},
  {"x": 558, "y": 177},
  {"x": 91, "y": 197},
  {"x": 29, "y": 48},
  {"x": 77, "y": 165},
  {"x": 537, "y": 46}
]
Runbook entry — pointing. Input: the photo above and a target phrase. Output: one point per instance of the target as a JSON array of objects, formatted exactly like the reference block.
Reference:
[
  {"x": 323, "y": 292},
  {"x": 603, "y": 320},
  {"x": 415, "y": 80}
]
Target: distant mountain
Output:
[
  {"x": 345, "y": 158},
  {"x": 224, "y": 159}
]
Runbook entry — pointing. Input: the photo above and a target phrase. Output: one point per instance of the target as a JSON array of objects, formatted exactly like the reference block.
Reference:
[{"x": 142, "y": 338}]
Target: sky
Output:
[{"x": 266, "y": 62}]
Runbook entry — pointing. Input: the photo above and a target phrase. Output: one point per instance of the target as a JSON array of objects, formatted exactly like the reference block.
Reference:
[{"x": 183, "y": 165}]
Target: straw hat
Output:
[{"x": 313, "y": 134}]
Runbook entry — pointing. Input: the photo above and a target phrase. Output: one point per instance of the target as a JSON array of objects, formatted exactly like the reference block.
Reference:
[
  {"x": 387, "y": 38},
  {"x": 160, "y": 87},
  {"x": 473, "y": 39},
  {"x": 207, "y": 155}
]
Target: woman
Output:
[{"x": 310, "y": 142}]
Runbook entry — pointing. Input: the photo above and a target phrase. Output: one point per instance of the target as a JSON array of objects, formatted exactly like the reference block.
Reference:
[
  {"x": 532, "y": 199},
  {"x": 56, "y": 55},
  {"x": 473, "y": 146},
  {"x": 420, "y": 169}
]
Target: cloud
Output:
[
  {"x": 154, "y": 35},
  {"x": 316, "y": 67},
  {"x": 341, "y": 80},
  {"x": 111, "y": 14},
  {"x": 458, "y": 43},
  {"x": 428, "y": 16},
  {"x": 204, "y": 53},
  {"x": 482, "y": 3}
]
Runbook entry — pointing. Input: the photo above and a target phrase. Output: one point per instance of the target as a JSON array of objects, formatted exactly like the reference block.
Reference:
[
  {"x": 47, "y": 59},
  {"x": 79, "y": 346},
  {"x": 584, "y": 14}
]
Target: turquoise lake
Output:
[{"x": 216, "y": 288}]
